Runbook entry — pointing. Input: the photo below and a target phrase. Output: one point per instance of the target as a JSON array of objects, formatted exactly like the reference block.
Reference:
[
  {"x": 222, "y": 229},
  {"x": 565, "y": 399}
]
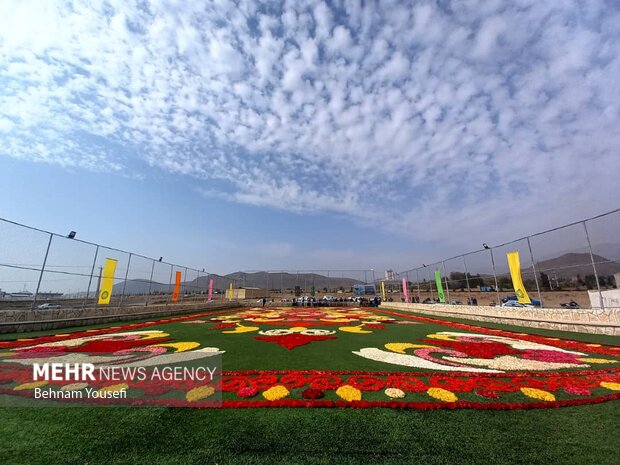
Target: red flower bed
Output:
[
  {"x": 312, "y": 394},
  {"x": 249, "y": 391},
  {"x": 290, "y": 341},
  {"x": 366, "y": 383}
]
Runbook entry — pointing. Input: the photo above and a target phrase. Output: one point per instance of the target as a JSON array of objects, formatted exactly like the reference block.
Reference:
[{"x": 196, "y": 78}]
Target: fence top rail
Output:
[
  {"x": 133, "y": 254},
  {"x": 611, "y": 212}
]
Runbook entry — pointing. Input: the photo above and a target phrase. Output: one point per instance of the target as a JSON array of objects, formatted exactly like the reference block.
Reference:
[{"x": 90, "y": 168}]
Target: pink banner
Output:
[
  {"x": 210, "y": 296},
  {"x": 405, "y": 291}
]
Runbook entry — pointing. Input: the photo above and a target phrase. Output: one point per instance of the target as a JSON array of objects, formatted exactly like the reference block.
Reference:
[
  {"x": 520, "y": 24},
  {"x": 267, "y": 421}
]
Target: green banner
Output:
[{"x": 442, "y": 297}]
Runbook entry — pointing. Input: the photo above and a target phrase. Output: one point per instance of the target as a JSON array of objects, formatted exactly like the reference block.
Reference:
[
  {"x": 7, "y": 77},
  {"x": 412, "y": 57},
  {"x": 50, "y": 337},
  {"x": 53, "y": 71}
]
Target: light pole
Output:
[{"x": 490, "y": 249}]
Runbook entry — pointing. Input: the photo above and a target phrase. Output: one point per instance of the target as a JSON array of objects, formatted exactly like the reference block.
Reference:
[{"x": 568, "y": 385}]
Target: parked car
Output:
[
  {"x": 329, "y": 298},
  {"x": 514, "y": 303},
  {"x": 535, "y": 303},
  {"x": 48, "y": 306}
]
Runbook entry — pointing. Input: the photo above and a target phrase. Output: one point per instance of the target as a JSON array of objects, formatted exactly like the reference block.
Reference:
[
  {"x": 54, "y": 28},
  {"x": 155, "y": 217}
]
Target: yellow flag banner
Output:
[
  {"x": 515, "y": 273},
  {"x": 230, "y": 292},
  {"x": 107, "y": 281},
  {"x": 382, "y": 290},
  {"x": 177, "y": 287}
]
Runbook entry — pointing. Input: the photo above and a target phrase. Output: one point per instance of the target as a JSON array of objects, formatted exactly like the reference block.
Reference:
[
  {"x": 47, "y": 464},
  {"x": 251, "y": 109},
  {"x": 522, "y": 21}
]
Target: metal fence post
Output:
[
  {"x": 598, "y": 286},
  {"x": 183, "y": 284},
  {"x": 47, "y": 251},
  {"x": 148, "y": 296},
  {"x": 430, "y": 283},
  {"x": 90, "y": 280},
  {"x": 529, "y": 246},
  {"x": 125, "y": 281},
  {"x": 417, "y": 278},
  {"x": 495, "y": 275},
  {"x": 467, "y": 281},
  {"x": 169, "y": 290},
  {"x": 445, "y": 278}
]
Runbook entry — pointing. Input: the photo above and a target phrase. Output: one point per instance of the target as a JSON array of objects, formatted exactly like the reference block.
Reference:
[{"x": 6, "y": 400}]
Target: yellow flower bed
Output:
[
  {"x": 114, "y": 388},
  {"x": 442, "y": 394},
  {"x": 349, "y": 393},
  {"x": 609, "y": 385},
  {"x": 538, "y": 394},
  {"x": 276, "y": 393},
  {"x": 179, "y": 346},
  {"x": 32, "y": 385},
  {"x": 198, "y": 393}
]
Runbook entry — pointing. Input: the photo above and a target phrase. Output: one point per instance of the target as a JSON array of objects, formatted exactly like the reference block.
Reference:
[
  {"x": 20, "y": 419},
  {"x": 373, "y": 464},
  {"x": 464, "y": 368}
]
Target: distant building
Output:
[
  {"x": 364, "y": 289},
  {"x": 246, "y": 293},
  {"x": 49, "y": 295},
  {"x": 389, "y": 275},
  {"x": 24, "y": 295},
  {"x": 617, "y": 279}
]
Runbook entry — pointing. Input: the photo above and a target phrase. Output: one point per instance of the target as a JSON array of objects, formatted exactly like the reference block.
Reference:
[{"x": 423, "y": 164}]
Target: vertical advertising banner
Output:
[
  {"x": 383, "y": 290},
  {"x": 405, "y": 290},
  {"x": 514, "y": 263},
  {"x": 107, "y": 281},
  {"x": 177, "y": 287},
  {"x": 210, "y": 296},
  {"x": 230, "y": 292},
  {"x": 442, "y": 296}
]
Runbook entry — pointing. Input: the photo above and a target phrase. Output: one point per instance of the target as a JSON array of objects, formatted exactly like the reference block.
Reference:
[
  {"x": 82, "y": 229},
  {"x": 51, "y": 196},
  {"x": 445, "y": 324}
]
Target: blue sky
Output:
[{"x": 308, "y": 134}]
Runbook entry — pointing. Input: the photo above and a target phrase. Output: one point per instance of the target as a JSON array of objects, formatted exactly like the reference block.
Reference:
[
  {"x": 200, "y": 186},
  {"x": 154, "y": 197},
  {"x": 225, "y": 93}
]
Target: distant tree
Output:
[
  {"x": 475, "y": 281},
  {"x": 590, "y": 281},
  {"x": 544, "y": 282},
  {"x": 504, "y": 282},
  {"x": 457, "y": 280}
]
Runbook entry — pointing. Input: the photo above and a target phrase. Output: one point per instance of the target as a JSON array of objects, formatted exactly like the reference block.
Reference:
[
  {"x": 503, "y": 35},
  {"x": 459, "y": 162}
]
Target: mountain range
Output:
[
  {"x": 259, "y": 279},
  {"x": 570, "y": 265},
  {"x": 566, "y": 266}
]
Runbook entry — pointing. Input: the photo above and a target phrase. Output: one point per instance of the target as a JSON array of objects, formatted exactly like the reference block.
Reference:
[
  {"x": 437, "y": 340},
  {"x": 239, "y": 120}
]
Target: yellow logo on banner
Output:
[
  {"x": 514, "y": 263},
  {"x": 107, "y": 281}
]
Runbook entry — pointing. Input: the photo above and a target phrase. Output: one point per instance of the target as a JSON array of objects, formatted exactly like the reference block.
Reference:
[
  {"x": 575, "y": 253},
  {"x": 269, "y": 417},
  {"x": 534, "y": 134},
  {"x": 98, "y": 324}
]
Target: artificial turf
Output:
[
  {"x": 82, "y": 435},
  {"x": 92, "y": 435}
]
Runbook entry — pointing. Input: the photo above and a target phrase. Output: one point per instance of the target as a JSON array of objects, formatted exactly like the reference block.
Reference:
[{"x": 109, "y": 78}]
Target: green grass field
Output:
[{"x": 159, "y": 435}]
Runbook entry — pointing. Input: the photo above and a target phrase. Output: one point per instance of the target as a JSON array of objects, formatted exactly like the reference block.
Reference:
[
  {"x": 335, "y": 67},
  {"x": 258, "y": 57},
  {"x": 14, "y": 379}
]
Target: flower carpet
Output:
[{"x": 327, "y": 357}]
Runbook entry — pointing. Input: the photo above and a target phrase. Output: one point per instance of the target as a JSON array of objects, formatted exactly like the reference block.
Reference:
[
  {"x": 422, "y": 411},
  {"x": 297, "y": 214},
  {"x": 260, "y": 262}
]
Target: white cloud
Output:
[{"x": 417, "y": 116}]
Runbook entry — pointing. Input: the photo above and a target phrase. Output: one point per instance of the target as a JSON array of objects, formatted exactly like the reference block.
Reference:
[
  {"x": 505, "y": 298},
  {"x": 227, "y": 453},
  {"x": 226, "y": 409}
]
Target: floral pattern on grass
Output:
[{"x": 465, "y": 366}]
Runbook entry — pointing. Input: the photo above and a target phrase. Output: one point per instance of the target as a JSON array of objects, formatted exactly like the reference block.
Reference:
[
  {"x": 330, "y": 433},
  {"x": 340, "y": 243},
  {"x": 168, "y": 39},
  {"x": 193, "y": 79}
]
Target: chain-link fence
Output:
[
  {"x": 43, "y": 269},
  {"x": 286, "y": 285},
  {"x": 575, "y": 265}
]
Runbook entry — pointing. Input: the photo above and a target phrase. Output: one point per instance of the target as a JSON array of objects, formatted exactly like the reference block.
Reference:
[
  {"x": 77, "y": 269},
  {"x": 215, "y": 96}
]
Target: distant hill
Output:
[
  {"x": 259, "y": 279},
  {"x": 290, "y": 280},
  {"x": 570, "y": 265}
]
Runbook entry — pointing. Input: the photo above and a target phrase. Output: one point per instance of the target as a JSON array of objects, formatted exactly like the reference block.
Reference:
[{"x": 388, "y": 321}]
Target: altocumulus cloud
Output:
[{"x": 415, "y": 115}]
